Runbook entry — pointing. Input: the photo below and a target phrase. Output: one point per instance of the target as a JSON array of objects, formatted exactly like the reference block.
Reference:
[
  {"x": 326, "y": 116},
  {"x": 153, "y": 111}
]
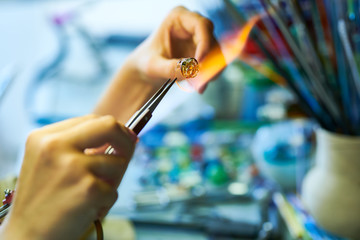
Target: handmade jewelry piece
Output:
[{"x": 189, "y": 67}]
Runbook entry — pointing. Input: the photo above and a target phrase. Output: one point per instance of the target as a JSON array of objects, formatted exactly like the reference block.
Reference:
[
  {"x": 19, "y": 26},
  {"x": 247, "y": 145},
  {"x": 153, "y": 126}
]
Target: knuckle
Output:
[
  {"x": 179, "y": 9},
  {"x": 71, "y": 162},
  {"x": 48, "y": 146},
  {"x": 207, "y": 23},
  {"x": 33, "y": 137},
  {"x": 110, "y": 122},
  {"x": 50, "y": 143}
]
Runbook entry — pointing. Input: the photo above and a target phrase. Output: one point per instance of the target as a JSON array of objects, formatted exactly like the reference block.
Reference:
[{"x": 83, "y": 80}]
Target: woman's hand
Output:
[
  {"x": 182, "y": 34},
  {"x": 66, "y": 182}
]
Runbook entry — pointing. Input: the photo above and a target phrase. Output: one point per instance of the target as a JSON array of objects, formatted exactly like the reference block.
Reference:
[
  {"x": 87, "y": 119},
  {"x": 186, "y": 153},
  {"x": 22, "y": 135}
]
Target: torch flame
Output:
[{"x": 232, "y": 47}]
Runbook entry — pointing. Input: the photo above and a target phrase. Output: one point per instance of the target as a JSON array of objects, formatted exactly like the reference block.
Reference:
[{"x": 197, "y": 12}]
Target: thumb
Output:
[
  {"x": 174, "y": 71},
  {"x": 162, "y": 67}
]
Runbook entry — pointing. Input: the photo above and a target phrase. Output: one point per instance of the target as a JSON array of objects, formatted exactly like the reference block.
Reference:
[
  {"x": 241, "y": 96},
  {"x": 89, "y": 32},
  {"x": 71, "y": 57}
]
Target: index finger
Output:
[
  {"x": 199, "y": 27},
  {"x": 97, "y": 132},
  {"x": 65, "y": 124}
]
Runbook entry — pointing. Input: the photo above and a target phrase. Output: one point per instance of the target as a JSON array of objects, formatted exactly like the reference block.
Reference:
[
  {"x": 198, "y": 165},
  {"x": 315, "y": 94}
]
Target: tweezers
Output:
[{"x": 141, "y": 117}]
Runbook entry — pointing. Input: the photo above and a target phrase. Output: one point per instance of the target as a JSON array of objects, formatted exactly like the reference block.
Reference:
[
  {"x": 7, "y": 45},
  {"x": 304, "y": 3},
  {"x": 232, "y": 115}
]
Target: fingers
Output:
[
  {"x": 98, "y": 150},
  {"x": 99, "y": 131},
  {"x": 109, "y": 168},
  {"x": 208, "y": 51},
  {"x": 92, "y": 134},
  {"x": 183, "y": 34},
  {"x": 163, "y": 67},
  {"x": 99, "y": 193},
  {"x": 55, "y": 162},
  {"x": 199, "y": 28}
]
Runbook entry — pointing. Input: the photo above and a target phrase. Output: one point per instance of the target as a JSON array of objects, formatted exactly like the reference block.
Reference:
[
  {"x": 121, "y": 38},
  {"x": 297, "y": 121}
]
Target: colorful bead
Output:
[{"x": 189, "y": 67}]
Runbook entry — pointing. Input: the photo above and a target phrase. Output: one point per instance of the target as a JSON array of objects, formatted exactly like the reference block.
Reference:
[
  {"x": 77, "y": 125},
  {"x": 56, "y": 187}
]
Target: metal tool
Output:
[{"x": 138, "y": 121}]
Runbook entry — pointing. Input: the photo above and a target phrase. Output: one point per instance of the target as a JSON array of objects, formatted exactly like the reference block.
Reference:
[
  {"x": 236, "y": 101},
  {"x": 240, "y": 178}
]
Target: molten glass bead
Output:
[{"x": 189, "y": 67}]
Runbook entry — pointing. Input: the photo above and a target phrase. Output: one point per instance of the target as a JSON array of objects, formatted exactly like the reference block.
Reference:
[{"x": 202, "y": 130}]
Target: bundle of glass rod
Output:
[{"x": 315, "y": 46}]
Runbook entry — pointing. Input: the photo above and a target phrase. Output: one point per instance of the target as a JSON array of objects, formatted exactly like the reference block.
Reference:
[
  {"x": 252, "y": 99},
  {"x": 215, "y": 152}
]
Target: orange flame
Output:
[
  {"x": 232, "y": 47},
  {"x": 264, "y": 69},
  {"x": 218, "y": 59}
]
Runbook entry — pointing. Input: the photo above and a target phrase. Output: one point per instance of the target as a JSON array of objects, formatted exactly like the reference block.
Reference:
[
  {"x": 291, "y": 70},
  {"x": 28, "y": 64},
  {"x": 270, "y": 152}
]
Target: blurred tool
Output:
[
  {"x": 293, "y": 205},
  {"x": 276, "y": 51},
  {"x": 314, "y": 47},
  {"x": 295, "y": 227}
]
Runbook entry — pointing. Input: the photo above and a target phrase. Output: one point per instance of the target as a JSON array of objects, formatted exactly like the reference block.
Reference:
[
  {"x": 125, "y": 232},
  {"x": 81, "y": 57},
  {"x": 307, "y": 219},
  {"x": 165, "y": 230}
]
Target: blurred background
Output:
[{"x": 206, "y": 167}]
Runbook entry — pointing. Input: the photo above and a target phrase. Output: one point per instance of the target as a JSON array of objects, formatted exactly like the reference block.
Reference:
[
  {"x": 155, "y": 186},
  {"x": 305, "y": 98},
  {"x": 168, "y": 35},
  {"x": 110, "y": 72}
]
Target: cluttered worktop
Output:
[{"x": 226, "y": 164}]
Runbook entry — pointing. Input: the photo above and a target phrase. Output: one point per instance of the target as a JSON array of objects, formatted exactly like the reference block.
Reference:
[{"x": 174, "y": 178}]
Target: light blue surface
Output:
[{"x": 28, "y": 40}]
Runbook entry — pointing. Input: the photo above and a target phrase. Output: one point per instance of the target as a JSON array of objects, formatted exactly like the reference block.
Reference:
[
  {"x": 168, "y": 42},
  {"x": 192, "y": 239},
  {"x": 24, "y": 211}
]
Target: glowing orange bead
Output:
[{"x": 189, "y": 67}]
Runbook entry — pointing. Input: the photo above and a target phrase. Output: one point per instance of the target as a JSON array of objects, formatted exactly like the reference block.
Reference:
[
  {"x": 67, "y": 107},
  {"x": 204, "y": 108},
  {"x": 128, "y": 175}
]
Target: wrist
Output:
[{"x": 127, "y": 91}]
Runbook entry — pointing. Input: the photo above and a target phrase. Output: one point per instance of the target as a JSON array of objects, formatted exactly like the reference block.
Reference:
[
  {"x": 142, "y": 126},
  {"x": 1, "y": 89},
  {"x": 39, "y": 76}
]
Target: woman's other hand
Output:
[{"x": 66, "y": 181}]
